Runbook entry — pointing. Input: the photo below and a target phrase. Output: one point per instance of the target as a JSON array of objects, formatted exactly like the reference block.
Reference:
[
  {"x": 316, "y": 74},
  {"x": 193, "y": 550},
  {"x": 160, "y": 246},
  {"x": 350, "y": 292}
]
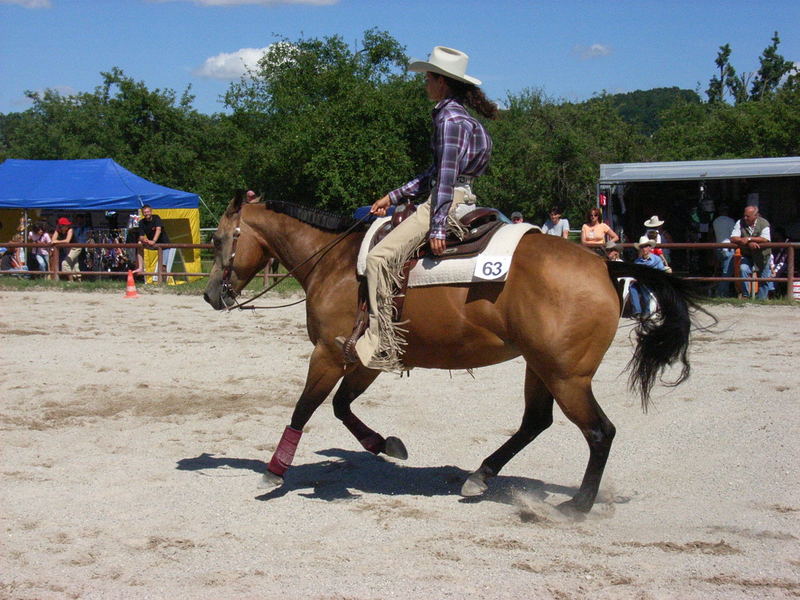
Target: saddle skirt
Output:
[{"x": 491, "y": 264}]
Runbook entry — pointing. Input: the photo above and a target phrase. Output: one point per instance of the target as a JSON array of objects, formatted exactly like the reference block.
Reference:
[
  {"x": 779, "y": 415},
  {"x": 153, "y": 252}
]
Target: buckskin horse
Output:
[{"x": 558, "y": 308}]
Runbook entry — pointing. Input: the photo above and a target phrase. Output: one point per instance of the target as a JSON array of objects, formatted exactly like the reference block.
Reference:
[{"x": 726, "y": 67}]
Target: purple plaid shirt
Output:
[{"x": 461, "y": 146}]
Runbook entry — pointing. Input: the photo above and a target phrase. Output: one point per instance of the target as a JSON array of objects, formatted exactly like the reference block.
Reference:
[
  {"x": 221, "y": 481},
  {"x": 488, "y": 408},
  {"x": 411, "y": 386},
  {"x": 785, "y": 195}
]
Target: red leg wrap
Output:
[
  {"x": 372, "y": 441},
  {"x": 284, "y": 453}
]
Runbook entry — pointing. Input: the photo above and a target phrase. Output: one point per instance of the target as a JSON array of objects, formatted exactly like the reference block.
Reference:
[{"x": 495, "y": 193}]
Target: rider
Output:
[{"x": 461, "y": 151}]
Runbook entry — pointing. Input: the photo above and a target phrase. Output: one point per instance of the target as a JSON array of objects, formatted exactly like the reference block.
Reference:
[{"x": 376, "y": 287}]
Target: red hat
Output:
[{"x": 64, "y": 221}]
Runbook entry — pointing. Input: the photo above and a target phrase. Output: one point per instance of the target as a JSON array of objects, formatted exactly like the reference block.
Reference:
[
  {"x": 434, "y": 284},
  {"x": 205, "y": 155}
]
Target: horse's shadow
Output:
[{"x": 346, "y": 473}]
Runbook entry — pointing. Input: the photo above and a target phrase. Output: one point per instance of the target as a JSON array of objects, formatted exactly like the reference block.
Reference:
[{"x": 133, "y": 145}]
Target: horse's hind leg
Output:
[
  {"x": 352, "y": 386},
  {"x": 538, "y": 416},
  {"x": 577, "y": 401}
]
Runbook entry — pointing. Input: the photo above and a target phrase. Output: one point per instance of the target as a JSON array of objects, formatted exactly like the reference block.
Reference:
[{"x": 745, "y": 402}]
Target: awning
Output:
[
  {"x": 786, "y": 166},
  {"x": 83, "y": 184}
]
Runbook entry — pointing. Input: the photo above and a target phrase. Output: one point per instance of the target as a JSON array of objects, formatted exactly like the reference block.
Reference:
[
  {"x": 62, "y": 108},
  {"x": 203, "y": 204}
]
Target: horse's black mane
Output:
[{"x": 313, "y": 216}]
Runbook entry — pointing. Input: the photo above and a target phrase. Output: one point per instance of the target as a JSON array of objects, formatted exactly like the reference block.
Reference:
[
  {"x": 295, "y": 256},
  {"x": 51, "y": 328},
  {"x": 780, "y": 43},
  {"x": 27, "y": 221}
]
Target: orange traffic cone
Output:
[{"x": 130, "y": 289}]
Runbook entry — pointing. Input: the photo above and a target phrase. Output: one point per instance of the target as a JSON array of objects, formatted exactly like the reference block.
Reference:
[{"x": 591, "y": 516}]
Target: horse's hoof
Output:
[
  {"x": 395, "y": 448},
  {"x": 573, "y": 509},
  {"x": 270, "y": 480},
  {"x": 473, "y": 486}
]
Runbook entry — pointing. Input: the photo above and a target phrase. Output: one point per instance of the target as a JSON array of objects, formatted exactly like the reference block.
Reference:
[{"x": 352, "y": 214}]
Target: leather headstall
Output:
[{"x": 227, "y": 286}]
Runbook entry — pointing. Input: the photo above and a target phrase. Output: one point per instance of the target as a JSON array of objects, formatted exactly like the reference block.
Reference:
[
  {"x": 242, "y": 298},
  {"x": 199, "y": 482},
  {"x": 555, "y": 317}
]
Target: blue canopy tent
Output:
[
  {"x": 94, "y": 185},
  {"x": 91, "y": 184}
]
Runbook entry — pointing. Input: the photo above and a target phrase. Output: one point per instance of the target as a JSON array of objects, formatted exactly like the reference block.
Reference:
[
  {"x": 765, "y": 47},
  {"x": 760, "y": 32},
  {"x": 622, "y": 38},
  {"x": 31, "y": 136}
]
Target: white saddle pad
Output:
[{"x": 490, "y": 265}]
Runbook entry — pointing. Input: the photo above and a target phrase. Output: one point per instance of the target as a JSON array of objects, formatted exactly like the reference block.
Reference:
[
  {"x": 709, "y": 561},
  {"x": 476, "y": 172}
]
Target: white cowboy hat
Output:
[
  {"x": 445, "y": 61},
  {"x": 653, "y": 222},
  {"x": 644, "y": 241}
]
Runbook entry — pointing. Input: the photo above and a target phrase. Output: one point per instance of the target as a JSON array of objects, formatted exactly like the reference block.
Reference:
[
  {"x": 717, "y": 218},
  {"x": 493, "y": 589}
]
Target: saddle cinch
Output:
[{"x": 479, "y": 226}]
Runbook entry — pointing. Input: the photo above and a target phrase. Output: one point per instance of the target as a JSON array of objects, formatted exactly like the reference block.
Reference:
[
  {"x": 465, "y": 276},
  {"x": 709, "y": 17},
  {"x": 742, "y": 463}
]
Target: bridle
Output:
[{"x": 227, "y": 287}]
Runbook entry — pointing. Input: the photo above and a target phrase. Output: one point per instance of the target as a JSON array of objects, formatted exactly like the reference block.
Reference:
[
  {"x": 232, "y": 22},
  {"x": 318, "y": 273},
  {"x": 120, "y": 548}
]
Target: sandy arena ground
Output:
[{"x": 134, "y": 432}]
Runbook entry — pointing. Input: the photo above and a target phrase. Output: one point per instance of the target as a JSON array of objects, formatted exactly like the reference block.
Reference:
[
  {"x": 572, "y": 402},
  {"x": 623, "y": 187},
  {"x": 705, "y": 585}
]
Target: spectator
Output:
[
  {"x": 613, "y": 252},
  {"x": 251, "y": 197},
  {"x": 40, "y": 256},
  {"x": 652, "y": 234},
  {"x": 83, "y": 235},
  {"x": 152, "y": 232},
  {"x": 65, "y": 234},
  {"x": 134, "y": 255},
  {"x": 655, "y": 230},
  {"x": 723, "y": 226},
  {"x": 749, "y": 233},
  {"x": 595, "y": 233},
  {"x": 639, "y": 294},
  {"x": 555, "y": 225},
  {"x": 8, "y": 258},
  {"x": 516, "y": 217}
]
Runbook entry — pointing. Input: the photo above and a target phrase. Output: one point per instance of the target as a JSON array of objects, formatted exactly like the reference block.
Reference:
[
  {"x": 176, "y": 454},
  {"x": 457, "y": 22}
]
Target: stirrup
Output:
[{"x": 348, "y": 348}]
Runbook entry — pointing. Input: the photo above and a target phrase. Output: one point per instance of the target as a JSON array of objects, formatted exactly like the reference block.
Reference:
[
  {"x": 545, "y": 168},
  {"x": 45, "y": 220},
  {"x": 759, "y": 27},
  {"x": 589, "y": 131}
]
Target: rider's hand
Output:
[
  {"x": 379, "y": 206},
  {"x": 437, "y": 246}
]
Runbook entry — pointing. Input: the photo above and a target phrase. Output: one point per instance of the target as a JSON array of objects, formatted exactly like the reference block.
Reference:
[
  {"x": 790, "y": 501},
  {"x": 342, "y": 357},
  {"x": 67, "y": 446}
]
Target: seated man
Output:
[
  {"x": 640, "y": 295},
  {"x": 749, "y": 233}
]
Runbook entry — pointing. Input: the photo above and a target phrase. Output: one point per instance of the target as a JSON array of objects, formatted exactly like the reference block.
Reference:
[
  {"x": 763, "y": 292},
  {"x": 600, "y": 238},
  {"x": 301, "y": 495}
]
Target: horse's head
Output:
[{"x": 238, "y": 255}]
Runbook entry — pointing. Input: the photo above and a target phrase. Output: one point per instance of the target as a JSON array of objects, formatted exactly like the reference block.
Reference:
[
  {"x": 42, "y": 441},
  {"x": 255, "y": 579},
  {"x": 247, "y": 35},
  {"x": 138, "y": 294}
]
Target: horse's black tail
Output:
[{"x": 663, "y": 338}]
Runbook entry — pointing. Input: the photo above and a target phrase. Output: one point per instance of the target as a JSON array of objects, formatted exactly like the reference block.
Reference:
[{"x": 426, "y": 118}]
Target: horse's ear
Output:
[{"x": 236, "y": 202}]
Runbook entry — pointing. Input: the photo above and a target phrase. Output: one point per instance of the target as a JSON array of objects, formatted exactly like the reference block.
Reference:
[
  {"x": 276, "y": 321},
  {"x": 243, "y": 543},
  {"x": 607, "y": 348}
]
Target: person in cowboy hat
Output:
[
  {"x": 461, "y": 151},
  {"x": 639, "y": 294},
  {"x": 655, "y": 230}
]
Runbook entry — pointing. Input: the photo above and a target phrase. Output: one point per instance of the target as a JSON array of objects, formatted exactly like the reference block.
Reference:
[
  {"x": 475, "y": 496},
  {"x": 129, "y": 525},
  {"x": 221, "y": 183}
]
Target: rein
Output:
[{"x": 227, "y": 287}]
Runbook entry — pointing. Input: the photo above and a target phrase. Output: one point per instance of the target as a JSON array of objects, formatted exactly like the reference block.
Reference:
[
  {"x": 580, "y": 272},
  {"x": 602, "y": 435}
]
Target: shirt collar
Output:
[{"x": 442, "y": 103}]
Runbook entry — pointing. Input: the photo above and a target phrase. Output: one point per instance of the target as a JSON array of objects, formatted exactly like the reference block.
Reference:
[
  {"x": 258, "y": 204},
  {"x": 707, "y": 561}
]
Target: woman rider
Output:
[{"x": 461, "y": 151}]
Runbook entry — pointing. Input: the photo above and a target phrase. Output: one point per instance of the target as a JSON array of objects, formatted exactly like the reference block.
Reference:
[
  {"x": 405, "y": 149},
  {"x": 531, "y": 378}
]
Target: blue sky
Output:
[{"x": 570, "y": 49}]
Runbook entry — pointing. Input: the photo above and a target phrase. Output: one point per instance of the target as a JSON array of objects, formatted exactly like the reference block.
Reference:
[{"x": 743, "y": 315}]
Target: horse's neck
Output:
[{"x": 294, "y": 242}]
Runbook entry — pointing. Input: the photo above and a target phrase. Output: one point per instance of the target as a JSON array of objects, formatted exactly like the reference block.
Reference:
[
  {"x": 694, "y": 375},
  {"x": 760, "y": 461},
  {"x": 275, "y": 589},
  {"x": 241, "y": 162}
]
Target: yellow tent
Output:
[{"x": 183, "y": 227}]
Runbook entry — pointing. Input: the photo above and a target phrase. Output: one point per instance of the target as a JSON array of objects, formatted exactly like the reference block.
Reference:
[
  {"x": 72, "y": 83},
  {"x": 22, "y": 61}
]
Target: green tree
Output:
[
  {"x": 154, "y": 133},
  {"x": 643, "y": 108},
  {"x": 547, "y": 153},
  {"x": 769, "y": 127},
  {"x": 335, "y": 127},
  {"x": 773, "y": 72},
  {"x": 774, "y": 67},
  {"x": 727, "y": 80}
]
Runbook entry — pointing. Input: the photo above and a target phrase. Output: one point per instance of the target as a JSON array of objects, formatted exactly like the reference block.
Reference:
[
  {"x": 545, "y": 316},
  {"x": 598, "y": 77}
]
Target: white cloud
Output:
[
  {"x": 593, "y": 51},
  {"x": 29, "y": 3},
  {"x": 242, "y": 2},
  {"x": 231, "y": 65}
]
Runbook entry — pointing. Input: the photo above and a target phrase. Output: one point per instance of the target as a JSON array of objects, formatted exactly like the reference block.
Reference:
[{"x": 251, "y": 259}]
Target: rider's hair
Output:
[{"x": 472, "y": 96}]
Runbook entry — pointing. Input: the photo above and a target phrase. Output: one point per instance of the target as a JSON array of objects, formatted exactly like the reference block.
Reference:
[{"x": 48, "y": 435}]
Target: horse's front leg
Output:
[
  {"x": 353, "y": 385},
  {"x": 324, "y": 370}
]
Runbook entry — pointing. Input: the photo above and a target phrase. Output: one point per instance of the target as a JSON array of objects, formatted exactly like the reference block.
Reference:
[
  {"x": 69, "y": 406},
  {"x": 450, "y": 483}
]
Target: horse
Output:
[{"x": 559, "y": 309}]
